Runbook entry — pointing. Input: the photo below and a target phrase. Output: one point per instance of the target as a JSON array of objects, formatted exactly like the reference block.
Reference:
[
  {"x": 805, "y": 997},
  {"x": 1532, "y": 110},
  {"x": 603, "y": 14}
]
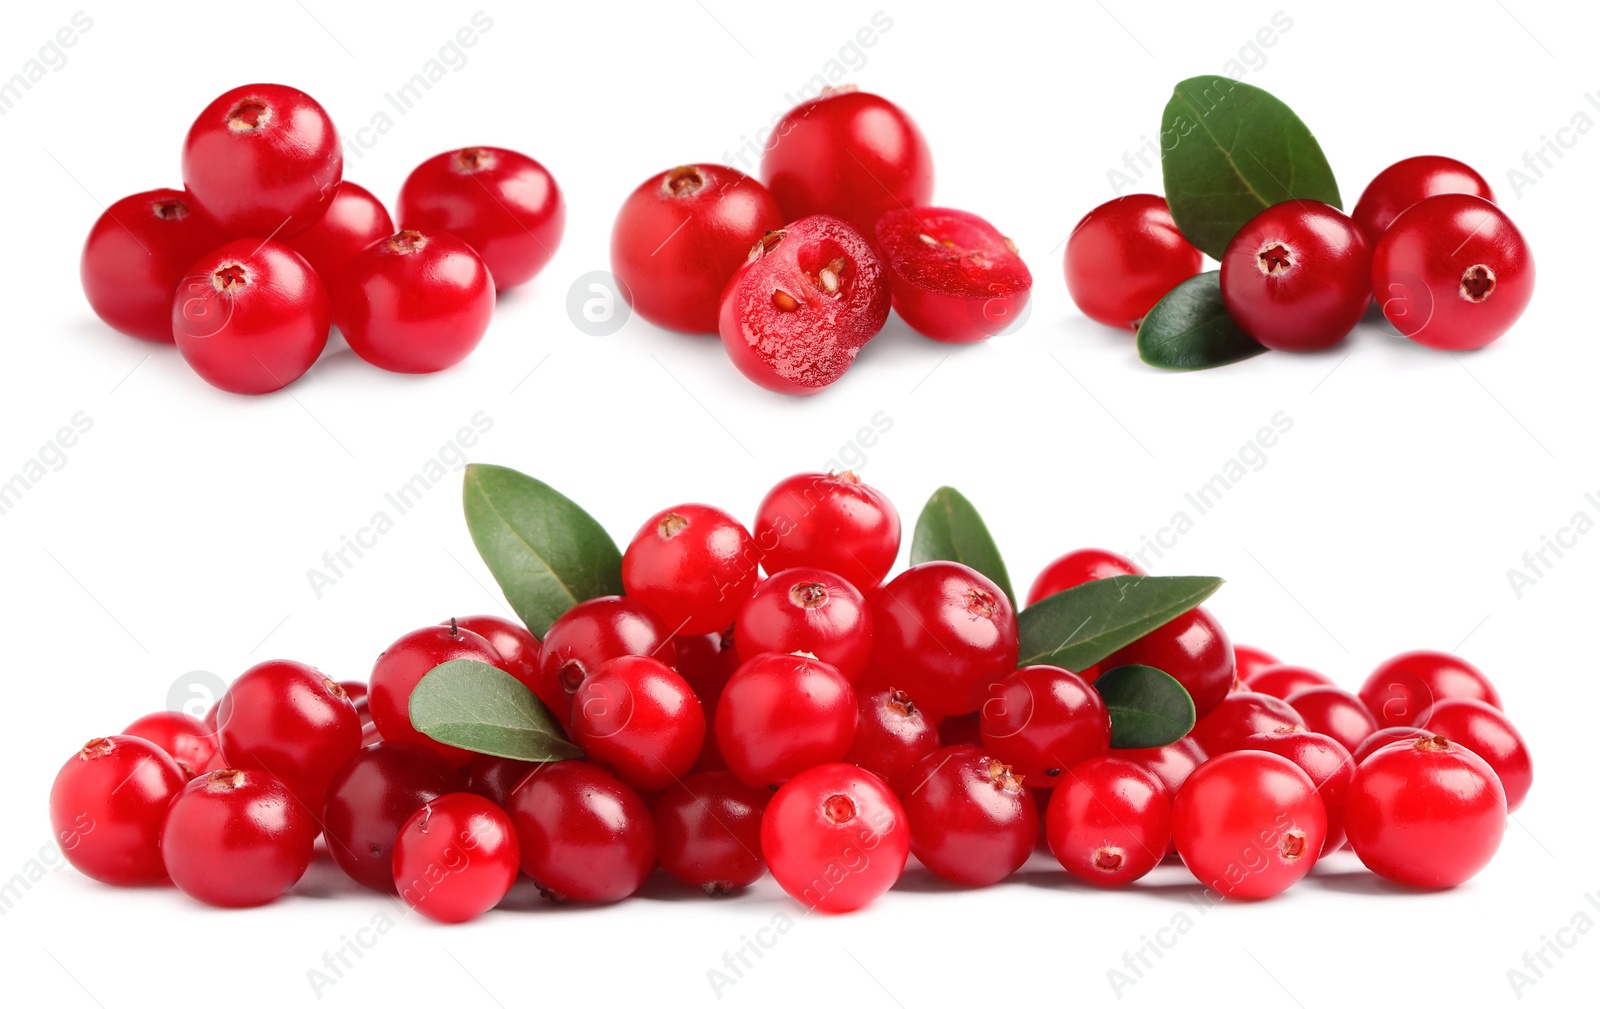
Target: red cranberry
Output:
[
  {"x": 137, "y": 252},
  {"x": 892, "y": 734},
  {"x": 955, "y": 277},
  {"x": 585, "y": 835},
  {"x": 402, "y": 666},
  {"x": 1043, "y": 721},
  {"x": 354, "y": 220},
  {"x": 807, "y": 610},
  {"x": 415, "y": 302},
  {"x": 107, "y": 806},
  {"x": 947, "y": 633},
  {"x": 590, "y": 634},
  {"x": 237, "y": 838},
  {"x": 830, "y": 521},
  {"x": 371, "y": 797},
  {"x": 1193, "y": 649},
  {"x": 708, "y": 832}
]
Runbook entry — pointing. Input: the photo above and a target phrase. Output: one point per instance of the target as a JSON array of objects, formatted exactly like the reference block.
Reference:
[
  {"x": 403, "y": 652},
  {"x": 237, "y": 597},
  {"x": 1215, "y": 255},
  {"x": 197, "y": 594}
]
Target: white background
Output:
[{"x": 178, "y": 533}]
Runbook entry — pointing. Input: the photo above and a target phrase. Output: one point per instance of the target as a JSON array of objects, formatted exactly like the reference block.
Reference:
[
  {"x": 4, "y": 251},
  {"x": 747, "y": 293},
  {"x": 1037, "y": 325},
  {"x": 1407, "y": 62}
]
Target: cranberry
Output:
[
  {"x": 503, "y": 204},
  {"x": 1335, "y": 713},
  {"x": 1324, "y": 759},
  {"x": 456, "y": 858},
  {"x": 1125, "y": 256},
  {"x": 356, "y": 690},
  {"x": 1404, "y": 689},
  {"x": 955, "y": 278},
  {"x": 835, "y": 838},
  {"x": 1282, "y": 680},
  {"x": 355, "y": 219},
  {"x": 186, "y": 739},
  {"x": 1193, "y": 649},
  {"x": 972, "y": 821},
  {"x": 1297, "y": 276},
  {"x": 416, "y": 302},
  {"x": 1043, "y": 721},
  {"x": 137, "y": 252},
  {"x": 1109, "y": 822},
  {"x": 892, "y": 734},
  {"x": 706, "y": 662},
  {"x": 681, "y": 235},
  {"x": 831, "y": 521},
  {"x": 291, "y": 721},
  {"x": 237, "y": 838},
  {"x": 1426, "y": 813},
  {"x": 639, "y": 719},
  {"x": 1249, "y": 824},
  {"x": 1073, "y": 569},
  {"x": 781, "y": 714},
  {"x": 1453, "y": 272},
  {"x": 1248, "y": 661},
  {"x": 107, "y": 806},
  {"x": 1239, "y": 715},
  {"x": 251, "y": 316},
  {"x": 1383, "y": 737},
  {"x": 402, "y": 665},
  {"x": 708, "y": 832},
  {"x": 947, "y": 633},
  {"x": 693, "y": 566},
  {"x": 1172, "y": 763},
  {"x": 518, "y": 650},
  {"x": 1486, "y": 731},
  {"x": 807, "y": 610},
  {"x": 847, "y": 153},
  {"x": 1406, "y": 183},
  {"x": 495, "y": 778},
  {"x": 585, "y": 835},
  {"x": 590, "y": 634},
  {"x": 370, "y": 797}
]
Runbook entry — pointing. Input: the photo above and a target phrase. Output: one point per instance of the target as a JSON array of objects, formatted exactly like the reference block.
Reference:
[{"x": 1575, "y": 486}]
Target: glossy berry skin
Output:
[
  {"x": 708, "y": 832},
  {"x": 972, "y": 820},
  {"x": 107, "y": 805},
  {"x": 955, "y": 277},
  {"x": 1325, "y": 760},
  {"x": 1406, "y": 183},
  {"x": 503, "y": 204},
  {"x": 1453, "y": 273},
  {"x": 402, "y": 665},
  {"x": 892, "y": 734},
  {"x": 694, "y": 566},
  {"x": 291, "y": 721},
  {"x": 371, "y": 797},
  {"x": 263, "y": 159},
  {"x": 354, "y": 220},
  {"x": 495, "y": 778},
  {"x": 706, "y": 662},
  {"x": 1248, "y": 661},
  {"x": 1238, "y": 715},
  {"x": 1193, "y": 649},
  {"x": 585, "y": 835},
  {"x": 590, "y": 634},
  {"x": 1042, "y": 721},
  {"x": 1383, "y": 737},
  {"x": 186, "y": 739},
  {"x": 681, "y": 235},
  {"x": 137, "y": 252},
  {"x": 1404, "y": 689},
  {"x": 794, "y": 316},
  {"x": 847, "y": 153},
  {"x": 835, "y": 838},
  {"x": 831, "y": 521},
  {"x": 781, "y": 714},
  {"x": 1426, "y": 813},
  {"x": 807, "y": 610},
  {"x": 1109, "y": 822},
  {"x": 1283, "y": 679},
  {"x": 1249, "y": 824},
  {"x": 1172, "y": 763},
  {"x": 1077, "y": 567},
  {"x": 947, "y": 633},
  {"x": 1334, "y": 712},
  {"x": 415, "y": 302},
  {"x": 251, "y": 316},
  {"x": 456, "y": 858},
  {"x": 1297, "y": 276},
  {"x": 1486, "y": 731},
  {"x": 640, "y": 720},
  {"x": 518, "y": 649},
  {"x": 237, "y": 838},
  {"x": 1124, "y": 256}
]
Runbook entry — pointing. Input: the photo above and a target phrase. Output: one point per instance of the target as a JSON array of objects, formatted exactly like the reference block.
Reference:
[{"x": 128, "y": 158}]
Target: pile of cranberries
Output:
[
  {"x": 768, "y": 698},
  {"x": 267, "y": 247},
  {"x": 798, "y": 271}
]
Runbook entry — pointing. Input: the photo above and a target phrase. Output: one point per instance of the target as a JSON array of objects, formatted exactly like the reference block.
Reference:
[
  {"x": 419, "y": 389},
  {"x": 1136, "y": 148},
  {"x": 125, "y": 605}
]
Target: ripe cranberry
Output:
[
  {"x": 107, "y": 806},
  {"x": 781, "y": 714},
  {"x": 955, "y": 277},
  {"x": 356, "y": 690},
  {"x": 1383, "y": 737},
  {"x": 693, "y": 566},
  {"x": 251, "y": 316},
  {"x": 835, "y": 838},
  {"x": 1109, "y": 822},
  {"x": 1193, "y": 649},
  {"x": 972, "y": 821},
  {"x": 1172, "y": 763},
  {"x": 831, "y": 521},
  {"x": 708, "y": 832},
  {"x": 807, "y": 610},
  {"x": 402, "y": 665},
  {"x": 415, "y": 302},
  {"x": 892, "y": 734},
  {"x": 1407, "y": 183},
  {"x": 135, "y": 255},
  {"x": 1282, "y": 680},
  {"x": 1249, "y": 824},
  {"x": 1427, "y": 813},
  {"x": 1297, "y": 276},
  {"x": 291, "y": 721},
  {"x": 847, "y": 153},
  {"x": 456, "y": 858},
  {"x": 1334, "y": 712},
  {"x": 495, "y": 778},
  {"x": 237, "y": 838},
  {"x": 591, "y": 634},
  {"x": 1042, "y": 721},
  {"x": 946, "y": 633},
  {"x": 1248, "y": 661},
  {"x": 354, "y": 220},
  {"x": 1077, "y": 567},
  {"x": 518, "y": 650},
  {"x": 1404, "y": 689},
  {"x": 679, "y": 237},
  {"x": 585, "y": 835},
  {"x": 1125, "y": 256},
  {"x": 370, "y": 797},
  {"x": 640, "y": 720},
  {"x": 186, "y": 739},
  {"x": 1324, "y": 759},
  {"x": 706, "y": 662},
  {"x": 1486, "y": 731},
  {"x": 1239, "y": 715},
  {"x": 263, "y": 160}
]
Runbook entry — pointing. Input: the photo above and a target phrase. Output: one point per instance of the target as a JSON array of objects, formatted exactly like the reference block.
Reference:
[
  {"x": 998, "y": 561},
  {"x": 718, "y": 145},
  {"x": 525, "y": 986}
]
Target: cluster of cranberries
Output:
[
  {"x": 266, "y": 247},
  {"x": 1445, "y": 264},
  {"x": 706, "y": 249},
  {"x": 822, "y": 721}
]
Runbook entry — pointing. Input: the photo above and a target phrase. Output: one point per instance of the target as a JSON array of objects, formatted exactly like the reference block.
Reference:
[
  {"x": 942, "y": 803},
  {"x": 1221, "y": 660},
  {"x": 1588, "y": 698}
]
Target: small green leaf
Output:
[
  {"x": 950, "y": 529},
  {"x": 1191, "y": 329},
  {"x": 1231, "y": 150},
  {"x": 477, "y": 707},
  {"x": 547, "y": 553},
  {"x": 1148, "y": 707},
  {"x": 1079, "y": 627}
]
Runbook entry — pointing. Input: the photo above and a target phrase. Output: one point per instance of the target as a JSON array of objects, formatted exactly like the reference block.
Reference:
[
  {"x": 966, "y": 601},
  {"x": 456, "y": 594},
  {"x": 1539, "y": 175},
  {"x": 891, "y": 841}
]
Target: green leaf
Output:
[
  {"x": 477, "y": 707},
  {"x": 1148, "y": 707},
  {"x": 1079, "y": 627},
  {"x": 950, "y": 529},
  {"x": 1231, "y": 150},
  {"x": 547, "y": 553},
  {"x": 1191, "y": 329}
]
